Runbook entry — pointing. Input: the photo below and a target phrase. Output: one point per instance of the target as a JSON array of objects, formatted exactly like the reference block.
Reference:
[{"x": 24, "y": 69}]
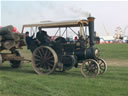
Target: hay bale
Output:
[{"x": 6, "y": 30}]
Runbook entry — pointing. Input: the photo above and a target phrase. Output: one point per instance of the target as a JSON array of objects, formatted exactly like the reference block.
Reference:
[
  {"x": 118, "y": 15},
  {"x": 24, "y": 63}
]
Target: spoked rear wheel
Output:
[
  {"x": 90, "y": 68},
  {"x": 102, "y": 65},
  {"x": 44, "y": 60}
]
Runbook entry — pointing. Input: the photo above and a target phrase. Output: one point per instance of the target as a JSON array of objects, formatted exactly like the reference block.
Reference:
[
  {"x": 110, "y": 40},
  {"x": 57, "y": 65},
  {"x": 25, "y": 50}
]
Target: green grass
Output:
[
  {"x": 25, "y": 82},
  {"x": 113, "y": 51}
]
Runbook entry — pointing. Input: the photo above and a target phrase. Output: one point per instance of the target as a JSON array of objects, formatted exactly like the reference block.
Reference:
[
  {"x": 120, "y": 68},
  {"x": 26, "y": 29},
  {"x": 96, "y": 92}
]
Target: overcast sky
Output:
[{"x": 107, "y": 13}]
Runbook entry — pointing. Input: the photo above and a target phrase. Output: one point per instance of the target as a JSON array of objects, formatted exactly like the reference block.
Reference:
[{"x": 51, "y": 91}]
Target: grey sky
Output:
[{"x": 111, "y": 14}]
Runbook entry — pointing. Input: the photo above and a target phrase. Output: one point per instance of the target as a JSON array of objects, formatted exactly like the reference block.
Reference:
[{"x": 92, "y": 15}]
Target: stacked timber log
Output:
[{"x": 10, "y": 39}]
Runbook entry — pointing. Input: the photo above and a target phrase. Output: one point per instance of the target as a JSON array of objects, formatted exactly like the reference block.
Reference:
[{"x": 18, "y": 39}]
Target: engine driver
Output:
[{"x": 42, "y": 37}]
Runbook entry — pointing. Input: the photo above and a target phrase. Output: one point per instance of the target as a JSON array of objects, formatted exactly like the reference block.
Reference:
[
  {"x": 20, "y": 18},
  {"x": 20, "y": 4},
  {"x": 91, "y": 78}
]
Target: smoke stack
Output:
[{"x": 91, "y": 30}]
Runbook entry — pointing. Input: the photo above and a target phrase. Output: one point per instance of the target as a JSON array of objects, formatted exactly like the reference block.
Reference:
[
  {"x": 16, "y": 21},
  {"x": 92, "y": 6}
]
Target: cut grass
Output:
[
  {"x": 25, "y": 82},
  {"x": 113, "y": 51}
]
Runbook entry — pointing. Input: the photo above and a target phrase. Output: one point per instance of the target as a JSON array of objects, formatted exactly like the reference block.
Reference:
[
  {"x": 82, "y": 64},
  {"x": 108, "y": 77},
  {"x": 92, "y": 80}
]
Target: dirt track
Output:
[{"x": 116, "y": 62}]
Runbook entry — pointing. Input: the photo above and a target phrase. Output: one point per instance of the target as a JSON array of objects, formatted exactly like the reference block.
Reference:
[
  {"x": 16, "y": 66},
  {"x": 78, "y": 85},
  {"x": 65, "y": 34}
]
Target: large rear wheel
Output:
[
  {"x": 90, "y": 68},
  {"x": 44, "y": 60}
]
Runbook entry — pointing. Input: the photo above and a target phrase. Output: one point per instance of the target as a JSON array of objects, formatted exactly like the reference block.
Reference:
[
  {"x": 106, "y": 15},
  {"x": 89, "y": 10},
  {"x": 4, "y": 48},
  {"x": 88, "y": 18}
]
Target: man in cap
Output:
[{"x": 42, "y": 37}]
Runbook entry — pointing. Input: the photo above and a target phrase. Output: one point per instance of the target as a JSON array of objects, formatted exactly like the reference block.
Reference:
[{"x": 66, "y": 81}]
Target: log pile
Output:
[{"x": 10, "y": 39}]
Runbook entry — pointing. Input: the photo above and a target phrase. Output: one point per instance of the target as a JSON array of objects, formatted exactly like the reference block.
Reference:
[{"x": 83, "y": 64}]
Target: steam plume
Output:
[{"x": 80, "y": 12}]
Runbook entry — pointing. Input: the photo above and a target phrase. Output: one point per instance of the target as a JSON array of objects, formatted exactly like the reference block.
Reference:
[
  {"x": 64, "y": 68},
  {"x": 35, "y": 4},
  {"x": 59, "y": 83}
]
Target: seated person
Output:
[
  {"x": 42, "y": 37},
  {"x": 28, "y": 39},
  {"x": 31, "y": 43},
  {"x": 76, "y": 38}
]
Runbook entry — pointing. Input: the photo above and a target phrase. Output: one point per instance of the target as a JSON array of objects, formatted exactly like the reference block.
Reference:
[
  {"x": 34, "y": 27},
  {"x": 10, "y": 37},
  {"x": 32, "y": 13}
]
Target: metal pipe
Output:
[
  {"x": 91, "y": 30},
  {"x": 64, "y": 31}
]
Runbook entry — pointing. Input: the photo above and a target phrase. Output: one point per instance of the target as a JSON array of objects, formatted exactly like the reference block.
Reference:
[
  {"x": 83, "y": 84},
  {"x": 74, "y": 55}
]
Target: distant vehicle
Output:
[{"x": 62, "y": 54}]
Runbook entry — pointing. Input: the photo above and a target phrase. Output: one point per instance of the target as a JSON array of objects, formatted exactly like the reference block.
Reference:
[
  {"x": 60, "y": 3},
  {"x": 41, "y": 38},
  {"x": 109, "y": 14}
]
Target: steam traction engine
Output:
[{"x": 60, "y": 54}]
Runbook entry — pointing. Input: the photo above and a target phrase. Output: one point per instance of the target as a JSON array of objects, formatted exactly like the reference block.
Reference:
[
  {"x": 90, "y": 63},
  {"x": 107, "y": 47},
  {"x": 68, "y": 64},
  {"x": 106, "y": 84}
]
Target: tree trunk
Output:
[
  {"x": 6, "y": 29},
  {"x": 8, "y": 44}
]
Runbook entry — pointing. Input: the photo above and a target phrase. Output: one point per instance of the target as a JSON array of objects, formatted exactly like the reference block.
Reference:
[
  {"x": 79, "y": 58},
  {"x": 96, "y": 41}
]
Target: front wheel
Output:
[
  {"x": 90, "y": 68},
  {"x": 102, "y": 65}
]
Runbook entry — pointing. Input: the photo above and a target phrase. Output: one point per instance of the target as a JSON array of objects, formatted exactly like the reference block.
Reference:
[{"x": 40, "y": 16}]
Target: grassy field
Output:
[
  {"x": 113, "y": 51},
  {"x": 25, "y": 82}
]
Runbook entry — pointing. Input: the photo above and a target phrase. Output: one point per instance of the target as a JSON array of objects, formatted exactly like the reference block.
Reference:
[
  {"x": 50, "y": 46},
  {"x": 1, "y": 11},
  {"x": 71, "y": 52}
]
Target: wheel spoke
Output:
[
  {"x": 50, "y": 64},
  {"x": 48, "y": 53},
  {"x": 37, "y": 56},
  {"x": 45, "y": 54},
  {"x": 48, "y": 58},
  {"x": 38, "y": 59},
  {"x": 40, "y": 53},
  {"x": 102, "y": 65}
]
